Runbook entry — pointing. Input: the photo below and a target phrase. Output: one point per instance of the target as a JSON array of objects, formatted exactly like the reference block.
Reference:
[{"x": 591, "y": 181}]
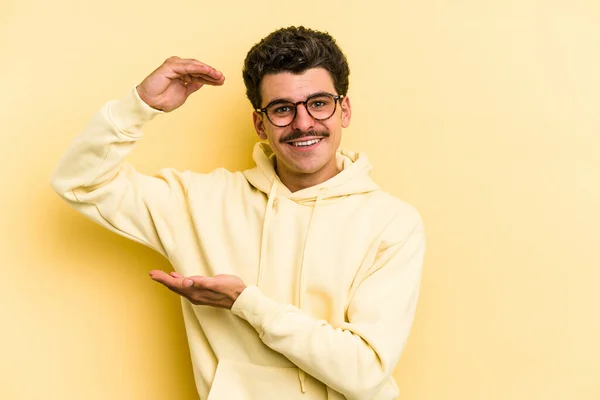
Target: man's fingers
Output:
[
  {"x": 178, "y": 283},
  {"x": 166, "y": 279},
  {"x": 179, "y": 67},
  {"x": 173, "y": 281},
  {"x": 201, "y": 80},
  {"x": 204, "y": 79}
]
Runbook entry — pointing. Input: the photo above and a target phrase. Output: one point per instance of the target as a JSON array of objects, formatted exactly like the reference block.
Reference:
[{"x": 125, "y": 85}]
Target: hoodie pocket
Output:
[{"x": 243, "y": 381}]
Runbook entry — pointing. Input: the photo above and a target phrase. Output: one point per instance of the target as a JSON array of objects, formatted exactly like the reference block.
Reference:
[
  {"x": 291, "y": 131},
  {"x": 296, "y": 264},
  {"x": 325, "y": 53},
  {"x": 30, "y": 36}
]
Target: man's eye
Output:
[
  {"x": 319, "y": 103},
  {"x": 283, "y": 110}
]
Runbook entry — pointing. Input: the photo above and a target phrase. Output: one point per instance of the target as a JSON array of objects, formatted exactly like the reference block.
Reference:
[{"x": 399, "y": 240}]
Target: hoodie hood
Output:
[{"x": 353, "y": 178}]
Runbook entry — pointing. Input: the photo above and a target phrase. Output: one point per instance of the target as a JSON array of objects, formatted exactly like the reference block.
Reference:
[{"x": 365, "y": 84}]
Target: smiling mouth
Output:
[{"x": 305, "y": 143}]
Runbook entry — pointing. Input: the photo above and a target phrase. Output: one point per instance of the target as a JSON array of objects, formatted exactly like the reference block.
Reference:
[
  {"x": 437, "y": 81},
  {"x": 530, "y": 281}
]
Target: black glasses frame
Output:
[{"x": 305, "y": 103}]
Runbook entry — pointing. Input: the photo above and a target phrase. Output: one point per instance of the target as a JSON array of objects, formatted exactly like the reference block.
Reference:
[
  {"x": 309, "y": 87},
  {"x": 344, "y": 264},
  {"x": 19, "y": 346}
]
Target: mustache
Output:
[{"x": 297, "y": 134}]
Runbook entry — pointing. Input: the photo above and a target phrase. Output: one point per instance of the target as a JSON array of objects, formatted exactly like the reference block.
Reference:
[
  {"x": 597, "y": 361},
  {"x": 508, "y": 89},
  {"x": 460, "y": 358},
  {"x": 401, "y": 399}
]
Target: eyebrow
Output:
[{"x": 288, "y": 100}]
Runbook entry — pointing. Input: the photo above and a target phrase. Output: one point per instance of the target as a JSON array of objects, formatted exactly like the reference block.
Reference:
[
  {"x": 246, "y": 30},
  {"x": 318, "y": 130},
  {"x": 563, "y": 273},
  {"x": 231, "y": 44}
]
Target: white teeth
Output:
[{"x": 307, "y": 143}]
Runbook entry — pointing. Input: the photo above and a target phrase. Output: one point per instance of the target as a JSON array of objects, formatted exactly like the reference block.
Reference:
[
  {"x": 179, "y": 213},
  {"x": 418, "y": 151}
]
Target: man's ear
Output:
[
  {"x": 259, "y": 125},
  {"x": 346, "y": 111}
]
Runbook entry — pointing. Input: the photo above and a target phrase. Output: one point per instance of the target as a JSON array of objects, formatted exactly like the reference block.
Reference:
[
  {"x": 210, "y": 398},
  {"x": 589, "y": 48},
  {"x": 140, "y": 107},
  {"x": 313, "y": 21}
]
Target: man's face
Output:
[{"x": 299, "y": 160}]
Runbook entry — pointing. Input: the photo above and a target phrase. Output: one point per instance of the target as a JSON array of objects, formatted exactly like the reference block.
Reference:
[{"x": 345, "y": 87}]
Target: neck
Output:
[{"x": 295, "y": 181}]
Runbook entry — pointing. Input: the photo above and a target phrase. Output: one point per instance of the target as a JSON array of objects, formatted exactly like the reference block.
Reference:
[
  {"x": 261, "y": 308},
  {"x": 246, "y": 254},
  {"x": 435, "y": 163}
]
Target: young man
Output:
[{"x": 302, "y": 275}]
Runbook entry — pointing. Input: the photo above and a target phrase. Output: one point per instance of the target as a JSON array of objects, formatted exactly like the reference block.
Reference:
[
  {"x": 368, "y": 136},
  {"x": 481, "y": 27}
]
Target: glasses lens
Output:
[
  {"x": 281, "y": 114},
  {"x": 321, "y": 106}
]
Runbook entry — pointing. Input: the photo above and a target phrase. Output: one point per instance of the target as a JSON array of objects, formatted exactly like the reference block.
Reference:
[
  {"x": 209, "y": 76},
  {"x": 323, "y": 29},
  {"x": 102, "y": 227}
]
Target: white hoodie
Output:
[{"x": 333, "y": 270}]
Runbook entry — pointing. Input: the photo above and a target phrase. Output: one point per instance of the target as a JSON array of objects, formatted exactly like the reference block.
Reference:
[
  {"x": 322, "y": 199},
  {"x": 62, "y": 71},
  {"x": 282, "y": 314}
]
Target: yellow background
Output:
[{"x": 483, "y": 114}]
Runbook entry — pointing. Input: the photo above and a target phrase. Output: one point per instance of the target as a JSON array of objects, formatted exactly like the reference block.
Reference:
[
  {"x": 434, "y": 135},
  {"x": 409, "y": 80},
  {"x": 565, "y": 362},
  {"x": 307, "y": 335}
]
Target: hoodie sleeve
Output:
[
  {"x": 357, "y": 358},
  {"x": 93, "y": 177}
]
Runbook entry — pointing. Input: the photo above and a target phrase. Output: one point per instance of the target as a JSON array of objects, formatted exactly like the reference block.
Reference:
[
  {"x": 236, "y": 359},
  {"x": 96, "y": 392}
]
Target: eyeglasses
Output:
[{"x": 320, "y": 106}]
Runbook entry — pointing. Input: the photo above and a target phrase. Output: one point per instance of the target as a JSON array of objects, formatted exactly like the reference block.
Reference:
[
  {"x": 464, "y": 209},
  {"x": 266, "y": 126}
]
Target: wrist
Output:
[
  {"x": 237, "y": 291},
  {"x": 142, "y": 96}
]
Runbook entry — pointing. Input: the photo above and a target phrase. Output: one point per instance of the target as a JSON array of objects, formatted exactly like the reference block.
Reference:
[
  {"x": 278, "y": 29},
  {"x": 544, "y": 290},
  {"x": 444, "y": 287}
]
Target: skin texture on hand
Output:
[
  {"x": 169, "y": 86},
  {"x": 218, "y": 291}
]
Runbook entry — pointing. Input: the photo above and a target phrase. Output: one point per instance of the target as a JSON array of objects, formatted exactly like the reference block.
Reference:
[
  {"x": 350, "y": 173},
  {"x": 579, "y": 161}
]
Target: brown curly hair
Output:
[{"x": 294, "y": 49}]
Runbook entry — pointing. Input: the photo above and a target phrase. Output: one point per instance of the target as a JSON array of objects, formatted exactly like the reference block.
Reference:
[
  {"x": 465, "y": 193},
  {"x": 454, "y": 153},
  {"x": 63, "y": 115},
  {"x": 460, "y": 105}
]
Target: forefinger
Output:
[{"x": 166, "y": 279}]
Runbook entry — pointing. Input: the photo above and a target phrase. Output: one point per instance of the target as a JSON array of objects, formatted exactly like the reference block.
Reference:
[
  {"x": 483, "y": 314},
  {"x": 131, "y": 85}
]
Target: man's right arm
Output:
[{"x": 94, "y": 178}]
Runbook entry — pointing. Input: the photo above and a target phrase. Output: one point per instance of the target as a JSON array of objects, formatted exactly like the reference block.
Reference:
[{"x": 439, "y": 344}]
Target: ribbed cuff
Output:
[
  {"x": 130, "y": 113},
  {"x": 256, "y": 308}
]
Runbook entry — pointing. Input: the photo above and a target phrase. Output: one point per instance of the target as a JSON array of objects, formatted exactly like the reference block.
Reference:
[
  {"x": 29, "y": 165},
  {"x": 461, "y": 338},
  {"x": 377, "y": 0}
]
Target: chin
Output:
[{"x": 309, "y": 169}]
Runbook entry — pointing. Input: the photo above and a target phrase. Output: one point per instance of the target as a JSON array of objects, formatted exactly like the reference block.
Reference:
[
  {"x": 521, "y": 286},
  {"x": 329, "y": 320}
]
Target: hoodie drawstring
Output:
[
  {"x": 302, "y": 377},
  {"x": 322, "y": 192},
  {"x": 265, "y": 228}
]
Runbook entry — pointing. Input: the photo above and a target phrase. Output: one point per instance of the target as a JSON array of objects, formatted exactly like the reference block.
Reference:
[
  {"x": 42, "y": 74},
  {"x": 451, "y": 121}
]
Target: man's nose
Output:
[{"x": 303, "y": 120}]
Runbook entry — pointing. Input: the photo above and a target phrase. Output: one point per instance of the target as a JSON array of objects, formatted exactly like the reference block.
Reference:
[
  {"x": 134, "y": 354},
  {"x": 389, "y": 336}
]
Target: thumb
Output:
[
  {"x": 192, "y": 87},
  {"x": 188, "y": 282}
]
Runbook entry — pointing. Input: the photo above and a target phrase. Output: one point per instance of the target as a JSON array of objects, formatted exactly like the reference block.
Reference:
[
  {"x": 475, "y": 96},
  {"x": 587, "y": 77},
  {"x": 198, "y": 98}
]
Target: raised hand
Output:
[
  {"x": 217, "y": 291},
  {"x": 169, "y": 86}
]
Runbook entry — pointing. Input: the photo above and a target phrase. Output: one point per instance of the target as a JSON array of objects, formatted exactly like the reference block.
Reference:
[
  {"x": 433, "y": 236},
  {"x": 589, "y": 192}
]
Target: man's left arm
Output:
[{"x": 359, "y": 356}]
